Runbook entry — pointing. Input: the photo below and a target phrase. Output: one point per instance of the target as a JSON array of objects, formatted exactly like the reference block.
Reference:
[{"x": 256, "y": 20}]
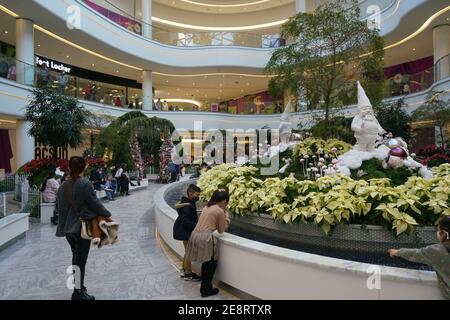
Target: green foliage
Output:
[
  {"x": 116, "y": 137},
  {"x": 437, "y": 110},
  {"x": 393, "y": 118},
  {"x": 338, "y": 128},
  {"x": 374, "y": 170},
  {"x": 56, "y": 120},
  {"x": 330, "y": 49}
]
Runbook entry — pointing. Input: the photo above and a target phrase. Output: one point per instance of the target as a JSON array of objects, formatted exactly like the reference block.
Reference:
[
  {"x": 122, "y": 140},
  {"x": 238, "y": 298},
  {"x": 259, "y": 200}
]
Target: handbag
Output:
[{"x": 86, "y": 226}]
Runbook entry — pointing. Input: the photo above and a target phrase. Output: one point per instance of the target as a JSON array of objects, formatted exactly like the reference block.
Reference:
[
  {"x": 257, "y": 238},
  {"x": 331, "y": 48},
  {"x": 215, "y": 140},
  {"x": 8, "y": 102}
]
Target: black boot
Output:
[
  {"x": 206, "y": 288},
  {"x": 81, "y": 294}
]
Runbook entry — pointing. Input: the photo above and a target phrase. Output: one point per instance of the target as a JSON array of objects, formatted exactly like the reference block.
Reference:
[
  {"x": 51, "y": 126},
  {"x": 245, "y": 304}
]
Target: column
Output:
[
  {"x": 25, "y": 51},
  {"x": 147, "y": 90},
  {"x": 146, "y": 6},
  {"x": 441, "y": 43},
  {"x": 24, "y": 143},
  {"x": 300, "y": 6}
]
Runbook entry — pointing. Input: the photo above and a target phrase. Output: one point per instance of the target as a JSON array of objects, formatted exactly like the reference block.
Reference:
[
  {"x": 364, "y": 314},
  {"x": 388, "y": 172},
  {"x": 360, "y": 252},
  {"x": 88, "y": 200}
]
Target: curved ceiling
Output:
[{"x": 224, "y": 7}]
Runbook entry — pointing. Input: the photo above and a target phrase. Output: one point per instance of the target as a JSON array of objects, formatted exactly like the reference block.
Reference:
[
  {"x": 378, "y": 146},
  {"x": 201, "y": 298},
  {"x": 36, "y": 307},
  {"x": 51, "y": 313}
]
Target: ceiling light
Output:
[
  {"x": 117, "y": 71},
  {"x": 225, "y": 5},
  {"x": 6, "y": 31},
  {"x": 205, "y": 28},
  {"x": 93, "y": 64},
  {"x": 414, "y": 49},
  {"x": 39, "y": 45},
  {"x": 67, "y": 56}
]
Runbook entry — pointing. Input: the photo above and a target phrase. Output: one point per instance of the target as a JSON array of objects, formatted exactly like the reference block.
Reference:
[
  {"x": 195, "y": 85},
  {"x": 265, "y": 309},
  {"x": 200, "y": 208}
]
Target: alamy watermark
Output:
[
  {"x": 73, "y": 18},
  {"x": 373, "y": 282},
  {"x": 74, "y": 279},
  {"x": 228, "y": 146},
  {"x": 374, "y": 17}
]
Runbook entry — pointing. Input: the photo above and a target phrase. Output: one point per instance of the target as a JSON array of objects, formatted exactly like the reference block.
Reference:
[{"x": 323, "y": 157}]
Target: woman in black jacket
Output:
[
  {"x": 77, "y": 199},
  {"x": 185, "y": 224}
]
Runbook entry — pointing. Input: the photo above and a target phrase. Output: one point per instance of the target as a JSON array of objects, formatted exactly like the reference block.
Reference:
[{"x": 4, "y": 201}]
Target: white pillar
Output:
[
  {"x": 25, "y": 51},
  {"x": 300, "y": 6},
  {"x": 147, "y": 90},
  {"x": 146, "y": 6},
  {"x": 24, "y": 143},
  {"x": 441, "y": 43}
]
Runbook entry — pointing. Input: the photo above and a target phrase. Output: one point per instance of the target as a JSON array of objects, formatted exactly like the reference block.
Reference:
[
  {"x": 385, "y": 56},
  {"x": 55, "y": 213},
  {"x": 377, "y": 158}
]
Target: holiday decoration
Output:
[
  {"x": 136, "y": 154},
  {"x": 165, "y": 157}
]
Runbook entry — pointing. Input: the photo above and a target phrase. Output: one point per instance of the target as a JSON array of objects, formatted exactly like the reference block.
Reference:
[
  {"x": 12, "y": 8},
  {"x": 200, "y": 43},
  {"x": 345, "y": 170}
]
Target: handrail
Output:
[
  {"x": 442, "y": 68},
  {"x": 214, "y": 38},
  {"x": 186, "y": 38},
  {"x": 126, "y": 97}
]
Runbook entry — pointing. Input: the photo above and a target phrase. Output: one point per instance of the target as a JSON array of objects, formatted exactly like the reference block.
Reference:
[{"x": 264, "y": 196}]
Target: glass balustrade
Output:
[
  {"x": 370, "y": 10},
  {"x": 442, "y": 68},
  {"x": 131, "y": 98}
]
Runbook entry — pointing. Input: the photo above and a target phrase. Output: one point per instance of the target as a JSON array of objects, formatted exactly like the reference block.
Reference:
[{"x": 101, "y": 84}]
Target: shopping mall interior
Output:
[{"x": 159, "y": 81}]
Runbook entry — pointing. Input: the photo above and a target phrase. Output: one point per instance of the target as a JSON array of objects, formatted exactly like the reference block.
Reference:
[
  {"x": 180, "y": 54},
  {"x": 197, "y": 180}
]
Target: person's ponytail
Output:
[{"x": 218, "y": 196}]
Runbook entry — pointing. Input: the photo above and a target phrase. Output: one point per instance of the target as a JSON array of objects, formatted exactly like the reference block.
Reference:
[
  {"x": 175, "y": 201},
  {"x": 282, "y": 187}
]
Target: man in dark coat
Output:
[{"x": 185, "y": 224}]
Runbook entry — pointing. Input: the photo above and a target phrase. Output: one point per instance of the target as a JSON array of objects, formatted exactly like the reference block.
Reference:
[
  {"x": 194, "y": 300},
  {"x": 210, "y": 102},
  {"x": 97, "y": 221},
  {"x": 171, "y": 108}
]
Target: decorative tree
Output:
[
  {"x": 117, "y": 136},
  {"x": 331, "y": 48},
  {"x": 136, "y": 154},
  {"x": 165, "y": 156},
  {"x": 436, "y": 110},
  {"x": 56, "y": 120},
  {"x": 393, "y": 118}
]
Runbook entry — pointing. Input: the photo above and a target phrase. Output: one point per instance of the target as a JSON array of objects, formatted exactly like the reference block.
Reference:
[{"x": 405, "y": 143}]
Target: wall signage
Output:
[
  {"x": 44, "y": 152},
  {"x": 60, "y": 67}
]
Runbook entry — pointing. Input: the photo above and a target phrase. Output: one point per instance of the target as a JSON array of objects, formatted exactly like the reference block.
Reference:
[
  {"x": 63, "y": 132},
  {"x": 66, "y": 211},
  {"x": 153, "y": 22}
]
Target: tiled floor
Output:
[{"x": 135, "y": 268}]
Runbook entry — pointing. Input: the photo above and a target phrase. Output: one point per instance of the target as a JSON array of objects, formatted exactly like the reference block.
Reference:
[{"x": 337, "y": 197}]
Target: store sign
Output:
[
  {"x": 52, "y": 65},
  {"x": 44, "y": 152}
]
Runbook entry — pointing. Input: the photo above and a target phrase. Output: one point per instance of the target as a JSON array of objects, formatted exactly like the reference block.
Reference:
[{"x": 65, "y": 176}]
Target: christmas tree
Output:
[
  {"x": 137, "y": 155},
  {"x": 165, "y": 157}
]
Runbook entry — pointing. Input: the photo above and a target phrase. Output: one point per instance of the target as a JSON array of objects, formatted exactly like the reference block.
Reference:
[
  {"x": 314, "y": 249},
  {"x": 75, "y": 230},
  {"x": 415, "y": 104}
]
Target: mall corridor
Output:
[{"x": 135, "y": 268}]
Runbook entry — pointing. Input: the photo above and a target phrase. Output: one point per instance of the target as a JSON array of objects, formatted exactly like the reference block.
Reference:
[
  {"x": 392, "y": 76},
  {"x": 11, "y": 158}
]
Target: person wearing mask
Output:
[
  {"x": 436, "y": 255},
  {"x": 203, "y": 246},
  {"x": 49, "y": 188},
  {"x": 77, "y": 194},
  {"x": 185, "y": 224}
]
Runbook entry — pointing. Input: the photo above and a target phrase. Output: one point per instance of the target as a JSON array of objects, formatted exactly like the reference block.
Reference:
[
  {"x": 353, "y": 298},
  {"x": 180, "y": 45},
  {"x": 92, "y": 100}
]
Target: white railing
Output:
[
  {"x": 2, "y": 205},
  {"x": 31, "y": 199}
]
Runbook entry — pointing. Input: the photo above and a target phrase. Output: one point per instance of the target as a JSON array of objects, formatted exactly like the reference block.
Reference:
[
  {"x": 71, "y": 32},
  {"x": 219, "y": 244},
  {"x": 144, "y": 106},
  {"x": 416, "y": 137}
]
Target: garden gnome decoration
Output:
[{"x": 365, "y": 125}]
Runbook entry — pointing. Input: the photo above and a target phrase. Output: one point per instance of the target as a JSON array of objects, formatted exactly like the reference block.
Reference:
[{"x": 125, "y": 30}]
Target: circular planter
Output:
[{"x": 370, "y": 239}]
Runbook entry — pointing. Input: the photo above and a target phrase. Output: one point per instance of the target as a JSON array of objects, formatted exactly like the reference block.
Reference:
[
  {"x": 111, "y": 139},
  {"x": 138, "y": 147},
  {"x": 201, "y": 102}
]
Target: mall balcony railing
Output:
[
  {"x": 369, "y": 10},
  {"x": 442, "y": 68},
  {"x": 125, "y": 97}
]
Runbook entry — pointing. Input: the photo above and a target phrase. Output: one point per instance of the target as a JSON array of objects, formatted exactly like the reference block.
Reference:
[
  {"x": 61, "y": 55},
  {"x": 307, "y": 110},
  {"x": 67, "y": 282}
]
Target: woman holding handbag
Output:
[{"x": 76, "y": 200}]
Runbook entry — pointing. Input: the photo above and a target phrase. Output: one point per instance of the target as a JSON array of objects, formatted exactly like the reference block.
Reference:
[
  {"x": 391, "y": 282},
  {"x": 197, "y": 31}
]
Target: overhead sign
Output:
[{"x": 52, "y": 64}]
